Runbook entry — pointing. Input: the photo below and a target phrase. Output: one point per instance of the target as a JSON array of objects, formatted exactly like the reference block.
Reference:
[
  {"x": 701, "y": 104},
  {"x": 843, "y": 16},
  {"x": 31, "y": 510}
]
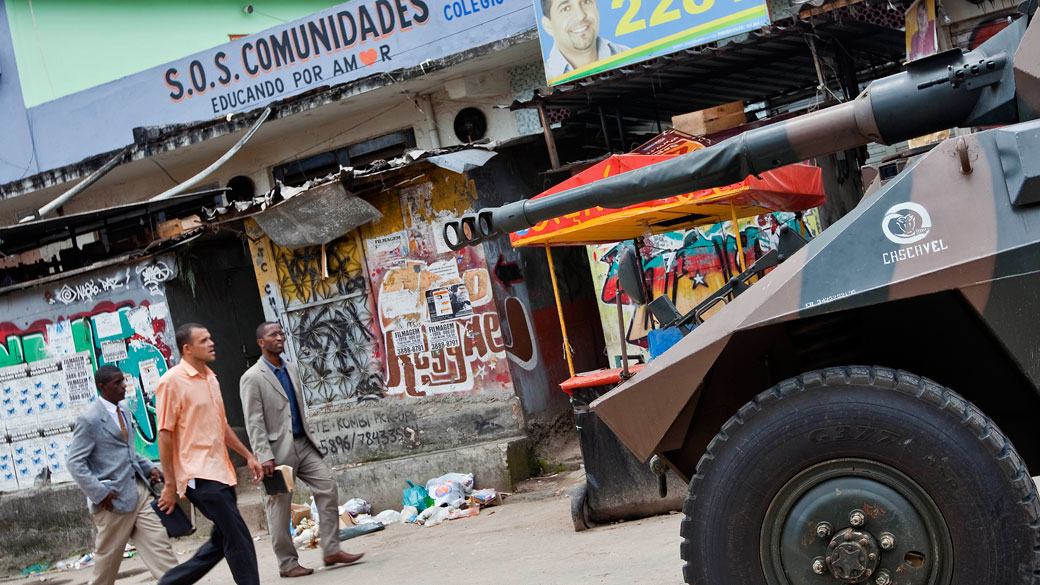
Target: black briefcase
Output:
[{"x": 177, "y": 524}]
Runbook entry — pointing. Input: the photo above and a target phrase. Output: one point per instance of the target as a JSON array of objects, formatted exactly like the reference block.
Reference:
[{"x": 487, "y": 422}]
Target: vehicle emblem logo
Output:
[{"x": 906, "y": 223}]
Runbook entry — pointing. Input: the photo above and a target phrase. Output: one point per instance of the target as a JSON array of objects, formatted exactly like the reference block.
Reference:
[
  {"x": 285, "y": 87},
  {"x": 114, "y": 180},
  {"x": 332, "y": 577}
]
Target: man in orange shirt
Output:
[{"x": 193, "y": 439}]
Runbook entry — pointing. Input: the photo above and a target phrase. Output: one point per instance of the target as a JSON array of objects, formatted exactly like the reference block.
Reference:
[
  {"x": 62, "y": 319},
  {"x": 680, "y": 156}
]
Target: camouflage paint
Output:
[{"x": 930, "y": 229}]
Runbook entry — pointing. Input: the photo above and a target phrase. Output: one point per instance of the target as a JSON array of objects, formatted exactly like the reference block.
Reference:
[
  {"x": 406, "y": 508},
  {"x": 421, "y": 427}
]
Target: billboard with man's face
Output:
[{"x": 584, "y": 37}]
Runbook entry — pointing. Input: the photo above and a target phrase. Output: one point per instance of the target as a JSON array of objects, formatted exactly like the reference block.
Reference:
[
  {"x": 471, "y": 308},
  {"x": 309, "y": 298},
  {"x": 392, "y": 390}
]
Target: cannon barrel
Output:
[{"x": 951, "y": 89}]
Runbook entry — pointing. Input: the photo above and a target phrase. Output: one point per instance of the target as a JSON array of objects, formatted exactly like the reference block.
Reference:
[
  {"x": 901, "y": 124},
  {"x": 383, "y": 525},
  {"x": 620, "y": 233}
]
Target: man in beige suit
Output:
[{"x": 272, "y": 402}]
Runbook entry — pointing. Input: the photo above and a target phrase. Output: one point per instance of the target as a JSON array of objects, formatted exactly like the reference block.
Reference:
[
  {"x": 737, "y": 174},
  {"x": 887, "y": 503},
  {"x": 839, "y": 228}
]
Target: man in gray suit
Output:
[
  {"x": 104, "y": 463},
  {"x": 272, "y": 403}
]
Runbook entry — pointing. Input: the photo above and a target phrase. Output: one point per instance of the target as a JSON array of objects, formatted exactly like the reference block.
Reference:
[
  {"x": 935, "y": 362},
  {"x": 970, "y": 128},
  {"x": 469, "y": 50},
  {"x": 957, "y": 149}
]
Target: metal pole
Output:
[
  {"x": 81, "y": 186},
  {"x": 177, "y": 190},
  {"x": 550, "y": 143},
  {"x": 736, "y": 231},
  {"x": 621, "y": 327},
  {"x": 559, "y": 310}
]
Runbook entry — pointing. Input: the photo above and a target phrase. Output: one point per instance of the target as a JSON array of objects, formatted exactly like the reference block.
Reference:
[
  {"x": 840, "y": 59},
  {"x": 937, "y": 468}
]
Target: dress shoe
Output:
[
  {"x": 297, "y": 571},
  {"x": 342, "y": 557}
]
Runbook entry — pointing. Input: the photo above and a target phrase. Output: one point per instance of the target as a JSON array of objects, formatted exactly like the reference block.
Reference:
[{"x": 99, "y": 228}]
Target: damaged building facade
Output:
[
  {"x": 302, "y": 173},
  {"x": 299, "y": 174}
]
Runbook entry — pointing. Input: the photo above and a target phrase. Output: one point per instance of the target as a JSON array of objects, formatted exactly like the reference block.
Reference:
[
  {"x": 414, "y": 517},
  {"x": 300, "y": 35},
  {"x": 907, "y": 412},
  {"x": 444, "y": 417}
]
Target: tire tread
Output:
[{"x": 886, "y": 379}]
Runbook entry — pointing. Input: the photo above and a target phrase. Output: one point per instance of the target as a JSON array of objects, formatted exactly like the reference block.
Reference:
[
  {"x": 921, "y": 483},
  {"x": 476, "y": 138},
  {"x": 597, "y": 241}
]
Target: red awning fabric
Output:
[{"x": 795, "y": 187}]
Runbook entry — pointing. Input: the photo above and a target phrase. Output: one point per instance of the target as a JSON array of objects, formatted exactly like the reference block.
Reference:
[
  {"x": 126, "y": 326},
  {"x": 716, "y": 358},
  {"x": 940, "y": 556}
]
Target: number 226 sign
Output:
[{"x": 585, "y": 37}]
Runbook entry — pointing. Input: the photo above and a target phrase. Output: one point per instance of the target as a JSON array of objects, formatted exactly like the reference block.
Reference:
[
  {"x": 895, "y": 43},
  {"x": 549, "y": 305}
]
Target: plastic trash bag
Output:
[
  {"x": 389, "y": 517},
  {"x": 440, "y": 515},
  {"x": 357, "y": 506},
  {"x": 416, "y": 496},
  {"x": 464, "y": 479},
  {"x": 408, "y": 514},
  {"x": 445, "y": 492}
]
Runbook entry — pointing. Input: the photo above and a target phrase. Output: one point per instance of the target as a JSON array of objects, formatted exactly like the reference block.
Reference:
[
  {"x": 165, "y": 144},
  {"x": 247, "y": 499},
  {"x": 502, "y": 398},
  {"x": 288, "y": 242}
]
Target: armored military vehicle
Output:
[{"x": 868, "y": 411}]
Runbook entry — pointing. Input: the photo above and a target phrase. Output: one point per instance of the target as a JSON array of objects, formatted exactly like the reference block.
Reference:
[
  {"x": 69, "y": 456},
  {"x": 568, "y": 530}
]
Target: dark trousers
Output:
[{"x": 230, "y": 538}]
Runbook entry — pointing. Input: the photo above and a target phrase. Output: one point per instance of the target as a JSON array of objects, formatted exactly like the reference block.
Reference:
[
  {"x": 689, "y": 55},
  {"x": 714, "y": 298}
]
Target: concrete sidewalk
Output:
[{"x": 529, "y": 539}]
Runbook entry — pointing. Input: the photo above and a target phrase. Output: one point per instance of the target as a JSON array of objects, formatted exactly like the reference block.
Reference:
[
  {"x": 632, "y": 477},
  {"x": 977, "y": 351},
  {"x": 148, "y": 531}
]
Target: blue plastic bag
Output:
[{"x": 416, "y": 496}]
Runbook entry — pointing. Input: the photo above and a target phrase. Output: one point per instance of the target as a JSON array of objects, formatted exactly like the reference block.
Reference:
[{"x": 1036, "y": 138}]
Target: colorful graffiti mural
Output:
[
  {"x": 686, "y": 266},
  {"x": 53, "y": 341}
]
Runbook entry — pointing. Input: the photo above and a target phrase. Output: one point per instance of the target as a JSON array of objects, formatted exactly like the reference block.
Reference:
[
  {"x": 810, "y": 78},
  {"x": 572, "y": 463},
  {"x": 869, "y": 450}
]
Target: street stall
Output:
[{"x": 617, "y": 485}]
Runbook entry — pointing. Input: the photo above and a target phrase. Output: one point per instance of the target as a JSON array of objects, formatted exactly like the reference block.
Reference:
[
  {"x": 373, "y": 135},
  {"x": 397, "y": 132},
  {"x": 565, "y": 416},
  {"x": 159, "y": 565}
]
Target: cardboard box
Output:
[
  {"x": 711, "y": 120},
  {"x": 176, "y": 227},
  {"x": 299, "y": 512},
  {"x": 346, "y": 520}
]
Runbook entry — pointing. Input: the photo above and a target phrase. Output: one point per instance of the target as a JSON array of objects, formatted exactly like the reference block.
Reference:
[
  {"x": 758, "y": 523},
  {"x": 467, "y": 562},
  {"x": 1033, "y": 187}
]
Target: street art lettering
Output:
[
  {"x": 153, "y": 275},
  {"x": 89, "y": 289}
]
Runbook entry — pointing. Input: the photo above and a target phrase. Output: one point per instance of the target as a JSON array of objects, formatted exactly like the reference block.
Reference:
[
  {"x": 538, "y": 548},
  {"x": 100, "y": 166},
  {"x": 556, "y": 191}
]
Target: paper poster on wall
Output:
[
  {"x": 448, "y": 302},
  {"x": 438, "y": 301},
  {"x": 438, "y": 235},
  {"x": 59, "y": 339},
  {"x": 29, "y": 456},
  {"x": 8, "y": 476},
  {"x": 113, "y": 350},
  {"x": 149, "y": 377},
  {"x": 51, "y": 396},
  {"x": 159, "y": 310},
  {"x": 141, "y": 322},
  {"x": 408, "y": 341},
  {"x": 446, "y": 269},
  {"x": 107, "y": 325},
  {"x": 442, "y": 335},
  {"x": 56, "y": 449},
  {"x": 78, "y": 377},
  {"x": 387, "y": 248},
  {"x": 398, "y": 303}
]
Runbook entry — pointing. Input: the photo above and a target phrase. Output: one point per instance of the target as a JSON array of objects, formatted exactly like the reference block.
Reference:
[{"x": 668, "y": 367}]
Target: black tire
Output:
[
  {"x": 580, "y": 508},
  {"x": 879, "y": 427}
]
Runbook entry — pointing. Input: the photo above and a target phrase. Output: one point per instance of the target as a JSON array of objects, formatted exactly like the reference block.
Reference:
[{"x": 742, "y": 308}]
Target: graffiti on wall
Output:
[
  {"x": 436, "y": 309},
  {"x": 328, "y": 316},
  {"x": 687, "y": 267},
  {"x": 51, "y": 348}
]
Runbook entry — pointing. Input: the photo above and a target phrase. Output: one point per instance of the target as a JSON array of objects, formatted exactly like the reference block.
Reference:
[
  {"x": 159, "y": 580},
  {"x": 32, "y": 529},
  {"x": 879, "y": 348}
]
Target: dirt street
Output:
[{"x": 529, "y": 539}]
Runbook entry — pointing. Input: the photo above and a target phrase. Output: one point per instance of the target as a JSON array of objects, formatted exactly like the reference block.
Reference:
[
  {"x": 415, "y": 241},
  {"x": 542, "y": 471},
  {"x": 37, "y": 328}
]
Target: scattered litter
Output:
[
  {"x": 36, "y": 569},
  {"x": 456, "y": 514},
  {"x": 448, "y": 488},
  {"x": 408, "y": 514},
  {"x": 486, "y": 498},
  {"x": 353, "y": 531},
  {"x": 356, "y": 506},
  {"x": 129, "y": 551},
  {"x": 425, "y": 515},
  {"x": 439, "y": 515},
  {"x": 388, "y": 517},
  {"x": 365, "y": 519},
  {"x": 314, "y": 510},
  {"x": 299, "y": 512},
  {"x": 306, "y": 534},
  {"x": 416, "y": 497}
]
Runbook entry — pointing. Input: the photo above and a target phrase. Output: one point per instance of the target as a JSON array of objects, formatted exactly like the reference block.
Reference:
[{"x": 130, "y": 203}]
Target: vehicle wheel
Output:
[
  {"x": 861, "y": 475},
  {"x": 580, "y": 508}
]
